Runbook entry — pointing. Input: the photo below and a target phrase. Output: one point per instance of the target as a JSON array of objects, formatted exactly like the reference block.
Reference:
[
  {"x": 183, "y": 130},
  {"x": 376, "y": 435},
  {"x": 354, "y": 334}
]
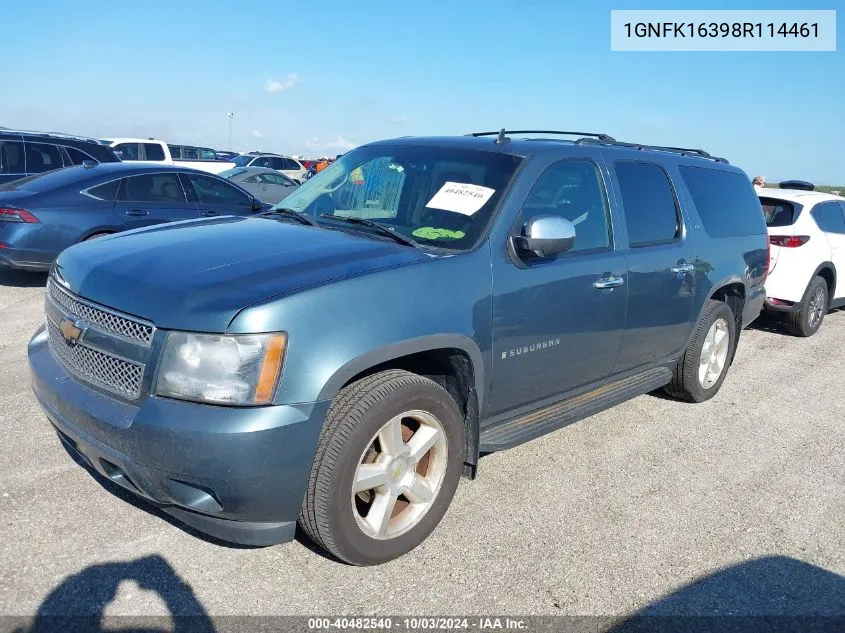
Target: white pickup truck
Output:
[{"x": 152, "y": 151}]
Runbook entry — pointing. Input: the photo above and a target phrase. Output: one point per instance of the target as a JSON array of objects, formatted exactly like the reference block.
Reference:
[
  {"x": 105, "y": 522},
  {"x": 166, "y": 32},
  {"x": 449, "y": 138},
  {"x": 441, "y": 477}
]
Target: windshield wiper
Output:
[
  {"x": 381, "y": 228},
  {"x": 290, "y": 213}
]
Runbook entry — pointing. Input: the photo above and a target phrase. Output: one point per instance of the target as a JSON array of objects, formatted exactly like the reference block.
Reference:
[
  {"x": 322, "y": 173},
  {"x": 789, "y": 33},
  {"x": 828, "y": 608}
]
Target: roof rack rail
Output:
[
  {"x": 502, "y": 138},
  {"x": 684, "y": 151},
  {"x": 75, "y": 137}
]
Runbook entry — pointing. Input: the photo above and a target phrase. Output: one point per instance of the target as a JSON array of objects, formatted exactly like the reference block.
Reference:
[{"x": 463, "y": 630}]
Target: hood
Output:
[{"x": 198, "y": 275}]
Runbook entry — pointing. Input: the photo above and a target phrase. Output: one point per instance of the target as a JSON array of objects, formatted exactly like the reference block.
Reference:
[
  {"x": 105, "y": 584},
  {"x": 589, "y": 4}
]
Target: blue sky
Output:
[{"x": 321, "y": 76}]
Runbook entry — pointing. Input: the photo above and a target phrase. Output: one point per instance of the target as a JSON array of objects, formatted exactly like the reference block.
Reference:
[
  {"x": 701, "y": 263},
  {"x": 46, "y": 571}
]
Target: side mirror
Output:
[
  {"x": 545, "y": 236},
  {"x": 257, "y": 205}
]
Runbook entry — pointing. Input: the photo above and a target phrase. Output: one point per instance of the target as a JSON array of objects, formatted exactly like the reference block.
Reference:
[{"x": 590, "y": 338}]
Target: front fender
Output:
[{"x": 404, "y": 348}]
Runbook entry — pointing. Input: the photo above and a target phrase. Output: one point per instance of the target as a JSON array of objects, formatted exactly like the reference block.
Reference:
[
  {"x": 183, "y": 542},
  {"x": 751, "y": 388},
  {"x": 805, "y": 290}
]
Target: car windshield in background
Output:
[
  {"x": 231, "y": 173},
  {"x": 242, "y": 161},
  {"x": 779, "y": 212},
  {"x": 440, "y": 197}
]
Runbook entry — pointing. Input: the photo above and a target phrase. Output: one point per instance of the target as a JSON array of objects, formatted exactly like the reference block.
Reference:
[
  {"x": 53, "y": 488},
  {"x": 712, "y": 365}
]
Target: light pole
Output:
[{"x": 230, "y": 116}]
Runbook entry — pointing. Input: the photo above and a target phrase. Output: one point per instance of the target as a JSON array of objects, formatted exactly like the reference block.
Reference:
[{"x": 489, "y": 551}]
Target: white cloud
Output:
[
  {"x": 279, "y": 85},
  {"x": 402, "y": 118},
  {"x": 257, "y": 134},
  {"x": 340, "y": 143}
]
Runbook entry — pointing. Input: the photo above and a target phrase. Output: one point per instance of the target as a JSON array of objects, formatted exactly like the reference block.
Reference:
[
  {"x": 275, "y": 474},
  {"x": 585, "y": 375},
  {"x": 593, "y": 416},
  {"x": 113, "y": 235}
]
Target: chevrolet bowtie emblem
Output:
[{"x": 72, "y": 329}]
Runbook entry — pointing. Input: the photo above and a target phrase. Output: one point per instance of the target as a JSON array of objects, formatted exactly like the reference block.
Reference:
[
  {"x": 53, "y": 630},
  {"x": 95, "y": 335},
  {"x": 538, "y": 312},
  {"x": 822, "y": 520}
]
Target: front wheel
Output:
[
  {"x": 701, "y": 371},
  {"x": 387, "y": 465}
]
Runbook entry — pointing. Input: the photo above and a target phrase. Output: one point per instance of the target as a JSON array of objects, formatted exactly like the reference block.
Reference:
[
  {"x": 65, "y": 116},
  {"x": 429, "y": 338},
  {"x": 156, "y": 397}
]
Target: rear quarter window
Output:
[
  {"x": 779, "y": 212},
  {"x": 725, "y": 201}
]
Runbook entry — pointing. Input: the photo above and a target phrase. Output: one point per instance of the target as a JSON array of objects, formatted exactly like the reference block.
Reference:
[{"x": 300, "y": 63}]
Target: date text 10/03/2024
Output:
[
  {"x": 720, "y": 29},
  {"x": 418, "y": 623}
]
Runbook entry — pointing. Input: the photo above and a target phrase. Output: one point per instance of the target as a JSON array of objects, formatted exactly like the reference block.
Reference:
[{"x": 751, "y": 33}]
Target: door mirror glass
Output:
[{"x": 545, "y": 236}]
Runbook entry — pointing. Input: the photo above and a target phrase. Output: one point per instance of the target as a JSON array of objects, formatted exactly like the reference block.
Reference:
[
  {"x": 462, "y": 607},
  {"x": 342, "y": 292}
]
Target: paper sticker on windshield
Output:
[{"x": 460, "y": 197}]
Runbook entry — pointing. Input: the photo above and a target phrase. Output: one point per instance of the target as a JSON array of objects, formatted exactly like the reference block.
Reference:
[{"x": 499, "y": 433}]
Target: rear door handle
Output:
[
  {"x": 608, "y": 283},
  {"x": 682, "y": 268},
  {"x": 137, "y": 212},
  {"x": 209, "y": 214}
]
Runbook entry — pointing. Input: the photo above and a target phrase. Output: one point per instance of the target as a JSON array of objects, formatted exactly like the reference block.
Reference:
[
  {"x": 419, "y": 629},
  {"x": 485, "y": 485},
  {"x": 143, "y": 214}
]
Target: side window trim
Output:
[
  {"x": 518, "y": 223},
  {"x": 679, "y": 217}
]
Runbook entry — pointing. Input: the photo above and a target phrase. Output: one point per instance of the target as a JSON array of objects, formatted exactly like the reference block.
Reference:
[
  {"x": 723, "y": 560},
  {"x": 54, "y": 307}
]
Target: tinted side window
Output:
[
  {"x": 649, "y": 203},
  {"x": 274, "y": 179},
  {"x": 127, "y": 151},
  {"x": 207, "y": 154},
  {"x": 152, "y": 188},
  {"x": 572, "y": 189},
  {"x": 175, "y": 151},
  {"x": 106, "y": 191},
  {"x": 289, "y": 164},
  {"x": 153, "y": 151},
  {"x": 12, "y": 158},
  {"x": 779, "y": 212},
  {"x": 78, "y": 156},
  {"x": 263, "y": 161},
  {"x": 725, "y": 201},
  {"x": 41, "y": 157},
  {"x": 828, "y": 215},
  {"x": 213, "y": 191}
]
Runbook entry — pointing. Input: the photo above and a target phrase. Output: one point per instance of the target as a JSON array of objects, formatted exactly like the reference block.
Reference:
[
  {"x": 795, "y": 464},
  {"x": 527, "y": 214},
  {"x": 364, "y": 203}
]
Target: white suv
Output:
[
  {"x": 807, "y": 257},
  {"x": 290, "y": 167}
]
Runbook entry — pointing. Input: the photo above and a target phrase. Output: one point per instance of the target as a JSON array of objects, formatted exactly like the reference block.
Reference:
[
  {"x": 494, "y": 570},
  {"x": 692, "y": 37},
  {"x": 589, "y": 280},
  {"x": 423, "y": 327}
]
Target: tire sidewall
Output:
[
  {"x": 805, "y": 309},
  {"x": 723, "y": 311},
  {"x": 352, "y": 544}
]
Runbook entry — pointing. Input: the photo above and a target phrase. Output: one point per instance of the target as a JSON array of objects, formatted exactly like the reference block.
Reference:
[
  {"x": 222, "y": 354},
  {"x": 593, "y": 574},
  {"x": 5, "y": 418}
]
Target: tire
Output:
[
  {"x": 687, "y": 382},
  {"x": 808, "y": 319},
  {"x": 337, "y": 519}
]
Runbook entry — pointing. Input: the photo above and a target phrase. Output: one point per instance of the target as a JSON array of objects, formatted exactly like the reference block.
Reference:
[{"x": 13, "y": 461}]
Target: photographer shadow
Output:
[{"x": 775, "y": 593}]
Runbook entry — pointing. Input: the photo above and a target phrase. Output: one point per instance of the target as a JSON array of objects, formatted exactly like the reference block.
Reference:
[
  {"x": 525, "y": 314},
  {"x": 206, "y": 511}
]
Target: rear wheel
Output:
[
  {"x": 702, "y": 369},
  {"x": 387, "y": 465},
  {"x": 808, "y": 319}
]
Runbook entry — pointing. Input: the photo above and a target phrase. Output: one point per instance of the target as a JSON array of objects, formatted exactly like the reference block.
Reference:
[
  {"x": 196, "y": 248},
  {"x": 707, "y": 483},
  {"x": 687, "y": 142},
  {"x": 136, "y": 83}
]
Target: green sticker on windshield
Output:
[{"x": 431, "y": 233}]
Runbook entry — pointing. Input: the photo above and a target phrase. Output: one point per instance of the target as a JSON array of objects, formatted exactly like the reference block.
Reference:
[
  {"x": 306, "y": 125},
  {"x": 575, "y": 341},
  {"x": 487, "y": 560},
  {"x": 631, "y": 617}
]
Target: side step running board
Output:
[{"x": 515, "y": 431}]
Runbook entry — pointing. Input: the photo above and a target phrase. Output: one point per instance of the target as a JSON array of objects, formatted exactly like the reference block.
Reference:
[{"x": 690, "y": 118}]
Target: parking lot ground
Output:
[{"x": 634, "y": 507}]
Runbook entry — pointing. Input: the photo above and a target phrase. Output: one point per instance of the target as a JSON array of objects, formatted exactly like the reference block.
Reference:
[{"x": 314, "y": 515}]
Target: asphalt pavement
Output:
[{"x": 731, "y": 506}]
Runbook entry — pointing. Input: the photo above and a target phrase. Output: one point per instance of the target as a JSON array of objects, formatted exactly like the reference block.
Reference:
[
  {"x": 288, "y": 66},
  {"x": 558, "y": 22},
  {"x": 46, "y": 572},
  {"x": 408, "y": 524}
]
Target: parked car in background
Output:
[
  {"x": 807, "y": 270},
  {"x": 342, "y": 361},
  {"x": 290, "y": 167},
  {"x": 24, "y": 153},
  {"x": 152, "y": 151},
  {"x": 267, "y": 185},
  {"x": 191, "y": 152},
  {"x": 43, "y": 214},
  {"x": 227, "y": 156}
]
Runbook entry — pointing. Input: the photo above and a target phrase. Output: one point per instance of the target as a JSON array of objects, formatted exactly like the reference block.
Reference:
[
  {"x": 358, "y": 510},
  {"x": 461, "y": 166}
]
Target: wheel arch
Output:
[
  {"x": 455, "y": 362},
  {"x": 827, "y": 271}
]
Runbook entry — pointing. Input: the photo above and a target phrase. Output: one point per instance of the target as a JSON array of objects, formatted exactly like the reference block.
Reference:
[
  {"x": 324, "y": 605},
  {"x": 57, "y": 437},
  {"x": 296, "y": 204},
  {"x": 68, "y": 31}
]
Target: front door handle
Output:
[
  {"x": 682, "y": 269},
  {"x": 209, "y": 214},
  {"x": 608, "y": 283},
  {"x": 137, "y": 212}
]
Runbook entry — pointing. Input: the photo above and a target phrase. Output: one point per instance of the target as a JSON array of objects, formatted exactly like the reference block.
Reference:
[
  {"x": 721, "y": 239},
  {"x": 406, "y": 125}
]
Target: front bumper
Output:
[{"x": 238, "y": 474}]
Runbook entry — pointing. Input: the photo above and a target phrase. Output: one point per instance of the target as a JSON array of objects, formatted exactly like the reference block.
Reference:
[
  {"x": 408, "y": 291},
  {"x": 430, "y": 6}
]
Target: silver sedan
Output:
[{"x": 267, "y": 185}]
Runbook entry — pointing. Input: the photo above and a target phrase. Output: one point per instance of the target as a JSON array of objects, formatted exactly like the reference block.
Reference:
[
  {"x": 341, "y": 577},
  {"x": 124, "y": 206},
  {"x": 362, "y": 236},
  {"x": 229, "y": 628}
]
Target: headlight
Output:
[{"x": 240, "y": 369}]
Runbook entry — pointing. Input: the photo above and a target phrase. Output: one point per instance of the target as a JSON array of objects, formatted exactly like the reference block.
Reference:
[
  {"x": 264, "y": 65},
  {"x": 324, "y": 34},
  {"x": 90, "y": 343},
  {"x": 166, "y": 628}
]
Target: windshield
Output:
[
  {"x": 242, "y": 161},
  {"x": 231, "y": 173},
  {"x": 438, "y": 196}
]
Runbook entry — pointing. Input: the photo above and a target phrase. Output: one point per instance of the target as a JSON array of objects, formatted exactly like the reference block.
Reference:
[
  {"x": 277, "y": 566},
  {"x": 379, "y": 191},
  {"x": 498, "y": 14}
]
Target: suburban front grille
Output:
[
  {"x": 122, "y": 325},
  {"x": 114, "y": 374}
]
